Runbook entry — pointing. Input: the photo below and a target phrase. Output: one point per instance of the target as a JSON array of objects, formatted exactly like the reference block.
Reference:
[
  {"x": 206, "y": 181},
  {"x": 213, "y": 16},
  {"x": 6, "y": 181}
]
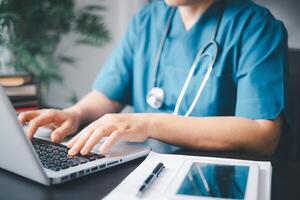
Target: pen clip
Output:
[{"x": 159, "y": 171}]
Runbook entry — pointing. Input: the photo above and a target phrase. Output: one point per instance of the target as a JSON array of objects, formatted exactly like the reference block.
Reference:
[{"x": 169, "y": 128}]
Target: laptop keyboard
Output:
[{"x": 55, "y": 156}]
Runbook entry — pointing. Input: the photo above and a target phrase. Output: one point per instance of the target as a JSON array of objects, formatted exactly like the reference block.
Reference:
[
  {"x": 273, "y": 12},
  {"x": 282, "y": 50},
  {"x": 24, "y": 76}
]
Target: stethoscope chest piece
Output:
[{"x": 155, "y": 97}]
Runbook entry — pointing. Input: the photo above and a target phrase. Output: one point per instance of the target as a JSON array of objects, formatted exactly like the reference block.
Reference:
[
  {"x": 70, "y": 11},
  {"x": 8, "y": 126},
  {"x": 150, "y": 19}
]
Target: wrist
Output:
[{"x": 152, "y": 124}]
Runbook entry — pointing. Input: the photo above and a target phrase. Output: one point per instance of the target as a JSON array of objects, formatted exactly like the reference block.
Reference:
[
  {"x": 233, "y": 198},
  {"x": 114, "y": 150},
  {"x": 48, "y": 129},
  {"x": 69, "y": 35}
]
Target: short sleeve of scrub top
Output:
[
  {"x": 115, "y": 80},
  {"x": 260, "y": 74},
  {"x": 247, "y": 79}
]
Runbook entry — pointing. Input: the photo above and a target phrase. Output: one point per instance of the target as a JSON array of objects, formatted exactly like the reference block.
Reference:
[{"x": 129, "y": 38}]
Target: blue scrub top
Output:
[{"x": 247, "y": 79}]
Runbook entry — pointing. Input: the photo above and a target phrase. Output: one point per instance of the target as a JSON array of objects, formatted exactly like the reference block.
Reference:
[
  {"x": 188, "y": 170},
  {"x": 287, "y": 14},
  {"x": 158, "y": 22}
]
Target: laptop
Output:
[{"x": 46, "y": 162}]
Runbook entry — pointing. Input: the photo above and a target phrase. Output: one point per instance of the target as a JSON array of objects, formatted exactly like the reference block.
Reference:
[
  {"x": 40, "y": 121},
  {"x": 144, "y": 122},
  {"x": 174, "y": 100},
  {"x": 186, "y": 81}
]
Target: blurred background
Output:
[{"x": 79, "y": 78}]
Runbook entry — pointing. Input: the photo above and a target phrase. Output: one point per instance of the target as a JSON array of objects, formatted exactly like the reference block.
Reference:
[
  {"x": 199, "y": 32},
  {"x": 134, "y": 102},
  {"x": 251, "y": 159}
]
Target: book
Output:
[
  {"x": 23, "y": 98},
  {"x": 19, "y": 110},
  {"x": 14, "y": 80},
  {"x": 24, "y": 90},
  {"x": 21, "y": 90},
  {"x": 25, "y": 104}
]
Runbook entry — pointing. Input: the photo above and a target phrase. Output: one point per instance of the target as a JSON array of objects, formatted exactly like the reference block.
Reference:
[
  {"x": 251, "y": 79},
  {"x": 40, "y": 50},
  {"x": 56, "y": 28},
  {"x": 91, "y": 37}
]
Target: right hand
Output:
[{"x": 63, "y": 122}]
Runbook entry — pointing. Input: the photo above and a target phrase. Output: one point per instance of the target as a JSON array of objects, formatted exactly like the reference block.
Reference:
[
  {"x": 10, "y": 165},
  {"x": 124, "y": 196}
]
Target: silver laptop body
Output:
[{"x": 17, "y": 154}]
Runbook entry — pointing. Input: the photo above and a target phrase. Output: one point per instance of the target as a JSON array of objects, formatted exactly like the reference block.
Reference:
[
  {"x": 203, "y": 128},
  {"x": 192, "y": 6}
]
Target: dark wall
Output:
[
  {"x": 289, "y": 146},
  {"x": 288, "y": 12}
]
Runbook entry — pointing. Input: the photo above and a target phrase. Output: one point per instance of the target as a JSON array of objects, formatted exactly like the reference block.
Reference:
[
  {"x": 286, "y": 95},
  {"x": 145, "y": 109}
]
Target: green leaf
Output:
[
  {"x": 93, "y": 8},
  {"x": 66, "y": 59},
  {"x": 73, "y": 99}
]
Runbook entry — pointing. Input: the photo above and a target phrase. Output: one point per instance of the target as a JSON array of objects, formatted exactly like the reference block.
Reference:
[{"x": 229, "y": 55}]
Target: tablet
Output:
[{"x": 214, "y": 180}]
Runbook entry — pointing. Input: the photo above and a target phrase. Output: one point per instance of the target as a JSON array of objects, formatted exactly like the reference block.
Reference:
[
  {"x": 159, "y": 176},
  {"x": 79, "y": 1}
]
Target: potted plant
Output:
[{"x": 36, "y": 28}]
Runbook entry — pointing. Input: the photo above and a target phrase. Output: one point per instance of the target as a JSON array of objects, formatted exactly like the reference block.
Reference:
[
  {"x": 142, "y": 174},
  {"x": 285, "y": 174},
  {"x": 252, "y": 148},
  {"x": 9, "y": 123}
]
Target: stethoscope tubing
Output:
[{"x": 201, "y": 54}]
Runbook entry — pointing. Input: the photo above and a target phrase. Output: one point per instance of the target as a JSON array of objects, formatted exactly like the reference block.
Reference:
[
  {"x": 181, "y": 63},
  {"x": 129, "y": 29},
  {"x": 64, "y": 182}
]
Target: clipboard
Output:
[{"x": 127, "y": 189}]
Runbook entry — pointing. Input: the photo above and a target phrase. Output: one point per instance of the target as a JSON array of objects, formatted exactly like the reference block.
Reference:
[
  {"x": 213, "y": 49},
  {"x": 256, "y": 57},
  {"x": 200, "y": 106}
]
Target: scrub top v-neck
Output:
[{"x": 247, "y": 79}]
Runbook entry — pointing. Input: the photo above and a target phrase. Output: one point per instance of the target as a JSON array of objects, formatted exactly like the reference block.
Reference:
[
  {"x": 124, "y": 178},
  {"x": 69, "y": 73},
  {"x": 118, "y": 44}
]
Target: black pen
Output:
[{"x": 154, "y": 174}]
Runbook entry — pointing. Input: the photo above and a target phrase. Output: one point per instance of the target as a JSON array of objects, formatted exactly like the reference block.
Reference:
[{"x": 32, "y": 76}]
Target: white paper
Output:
[{"x": 128, "y": 188}]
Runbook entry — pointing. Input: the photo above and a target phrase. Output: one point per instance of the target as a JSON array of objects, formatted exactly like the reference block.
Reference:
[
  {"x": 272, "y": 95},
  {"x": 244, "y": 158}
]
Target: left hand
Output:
[{"x": 128, "y": 127}]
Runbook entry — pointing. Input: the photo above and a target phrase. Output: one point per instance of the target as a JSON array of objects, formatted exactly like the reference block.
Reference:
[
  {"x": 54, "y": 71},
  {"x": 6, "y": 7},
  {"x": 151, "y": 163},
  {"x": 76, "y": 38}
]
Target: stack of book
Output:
[{"x": 21, "y": 90}]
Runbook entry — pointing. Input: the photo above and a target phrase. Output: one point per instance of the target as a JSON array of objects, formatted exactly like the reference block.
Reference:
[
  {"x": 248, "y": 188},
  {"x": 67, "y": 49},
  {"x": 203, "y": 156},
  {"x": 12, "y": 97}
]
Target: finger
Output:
[
  {"x": 92, "y": 126},
  {"x": 25, "y": 117},
  {"x": 79, "y": 143},
  {"x": 71, "y": 143},
  {"x": 98, "y": 134},
  {"x": 111, "y": 140},
  {"x": 34, "y": 124},
  {"x": 61, "y": 132},
  {"x": 73, "y": 140},
  {"x": 51, "y": 126}
]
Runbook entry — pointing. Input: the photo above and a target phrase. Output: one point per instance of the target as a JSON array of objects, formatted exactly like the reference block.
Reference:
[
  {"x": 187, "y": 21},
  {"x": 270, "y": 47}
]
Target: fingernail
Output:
[
  {"x": 68, "y": 144},
  {"x": 55, "y": 138},
  {"x": 102, "y": 150},
  {"x": 83, "y": 151},
  {"x": 72, "y": 152}
]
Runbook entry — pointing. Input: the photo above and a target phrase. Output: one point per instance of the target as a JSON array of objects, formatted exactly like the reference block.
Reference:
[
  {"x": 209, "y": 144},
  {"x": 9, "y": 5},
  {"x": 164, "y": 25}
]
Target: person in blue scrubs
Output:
[{"x": 240, "y": 107}]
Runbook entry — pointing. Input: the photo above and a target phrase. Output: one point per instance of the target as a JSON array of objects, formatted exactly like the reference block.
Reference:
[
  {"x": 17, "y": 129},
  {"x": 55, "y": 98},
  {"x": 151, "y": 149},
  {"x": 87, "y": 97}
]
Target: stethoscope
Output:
[{"x": 156, "y": 95}]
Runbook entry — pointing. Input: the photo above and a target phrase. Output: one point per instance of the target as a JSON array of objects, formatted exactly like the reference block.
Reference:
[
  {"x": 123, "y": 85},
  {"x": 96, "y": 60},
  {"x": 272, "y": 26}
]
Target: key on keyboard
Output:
[{"x": 55, "y": 156}]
